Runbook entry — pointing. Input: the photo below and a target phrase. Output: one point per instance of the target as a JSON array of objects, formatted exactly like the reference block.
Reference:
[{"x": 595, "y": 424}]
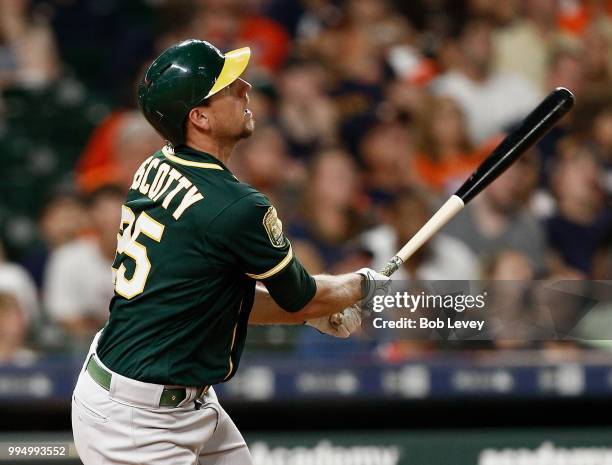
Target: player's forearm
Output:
[{"x": 334, "y": 293}]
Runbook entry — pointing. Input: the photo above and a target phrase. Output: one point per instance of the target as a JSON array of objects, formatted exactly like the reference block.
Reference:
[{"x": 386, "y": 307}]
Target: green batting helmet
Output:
[{"x": 181, "y": 78}]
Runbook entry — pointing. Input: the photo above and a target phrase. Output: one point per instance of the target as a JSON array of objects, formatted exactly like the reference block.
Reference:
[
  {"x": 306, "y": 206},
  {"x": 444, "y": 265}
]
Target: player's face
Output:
[{"x": 230, "y": 117}]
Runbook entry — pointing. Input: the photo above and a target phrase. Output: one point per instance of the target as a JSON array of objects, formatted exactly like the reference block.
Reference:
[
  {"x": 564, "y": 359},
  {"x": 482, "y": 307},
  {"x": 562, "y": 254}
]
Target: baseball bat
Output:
[{"x": 532, "y": 128}]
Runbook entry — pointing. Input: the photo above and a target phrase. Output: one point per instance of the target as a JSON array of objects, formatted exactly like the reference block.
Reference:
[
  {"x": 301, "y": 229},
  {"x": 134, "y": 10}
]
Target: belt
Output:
[{"x": 170, "y": 397}]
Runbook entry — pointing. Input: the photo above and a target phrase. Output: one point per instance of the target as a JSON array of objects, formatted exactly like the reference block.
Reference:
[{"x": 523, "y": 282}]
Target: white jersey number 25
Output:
[{"x": 127, "y": 243}]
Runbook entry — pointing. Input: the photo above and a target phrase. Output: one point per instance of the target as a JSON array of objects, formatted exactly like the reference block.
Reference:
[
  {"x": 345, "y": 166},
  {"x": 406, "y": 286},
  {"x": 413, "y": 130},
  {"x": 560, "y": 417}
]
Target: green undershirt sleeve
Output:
[{"x": 283, "y": 285}]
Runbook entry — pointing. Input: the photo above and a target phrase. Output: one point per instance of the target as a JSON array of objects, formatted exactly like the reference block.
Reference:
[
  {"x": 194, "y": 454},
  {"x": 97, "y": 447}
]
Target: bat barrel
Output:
[{"x": 533, "y": 127}]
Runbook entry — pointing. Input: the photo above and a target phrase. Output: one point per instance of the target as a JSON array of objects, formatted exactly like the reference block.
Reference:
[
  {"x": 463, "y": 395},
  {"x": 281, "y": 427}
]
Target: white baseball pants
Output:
[{"x": 124, "y": 426}]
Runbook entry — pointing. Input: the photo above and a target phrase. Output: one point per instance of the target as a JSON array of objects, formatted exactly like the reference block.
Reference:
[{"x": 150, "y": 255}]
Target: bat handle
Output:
[
  {"x": 392, "y": 266},
  {"x": 447, "y": 211}
]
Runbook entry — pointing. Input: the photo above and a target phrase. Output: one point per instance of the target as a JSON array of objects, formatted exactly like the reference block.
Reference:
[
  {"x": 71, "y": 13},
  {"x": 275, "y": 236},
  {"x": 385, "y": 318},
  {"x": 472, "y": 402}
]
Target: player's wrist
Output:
[
  {"x": 363, "y": 285},
  {"x": 373, "y": 283}
]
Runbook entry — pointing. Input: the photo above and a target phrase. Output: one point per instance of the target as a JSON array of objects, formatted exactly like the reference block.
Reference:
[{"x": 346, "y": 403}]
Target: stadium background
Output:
[{"x": 368, "y": 113}]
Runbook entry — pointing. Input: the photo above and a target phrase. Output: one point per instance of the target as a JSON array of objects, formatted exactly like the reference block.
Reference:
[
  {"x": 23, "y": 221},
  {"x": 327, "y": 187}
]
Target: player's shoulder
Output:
[
  {"x": 228, "y": 193},
  {"x": 246, "y": 204},
  {"x": 247, "y": 209},
  {"x": 247, "y": 197},
  {"x": 226, "y": 200}
]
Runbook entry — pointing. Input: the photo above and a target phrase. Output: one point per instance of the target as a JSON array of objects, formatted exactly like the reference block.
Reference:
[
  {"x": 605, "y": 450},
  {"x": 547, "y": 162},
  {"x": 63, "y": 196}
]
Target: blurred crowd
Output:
[{"x": 369, "y": 114}]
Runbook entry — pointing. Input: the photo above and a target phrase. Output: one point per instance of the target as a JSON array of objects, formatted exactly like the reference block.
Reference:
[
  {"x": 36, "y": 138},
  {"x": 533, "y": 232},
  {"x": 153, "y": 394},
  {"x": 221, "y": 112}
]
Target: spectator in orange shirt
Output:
[
  {"x": 446, "y": 154},
  {"x": 115, "y": 150},
  {"x": 576, "y": 17}
]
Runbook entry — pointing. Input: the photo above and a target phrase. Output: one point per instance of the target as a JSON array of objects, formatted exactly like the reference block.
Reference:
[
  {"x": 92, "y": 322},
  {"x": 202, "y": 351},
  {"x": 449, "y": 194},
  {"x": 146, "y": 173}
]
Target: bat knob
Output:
[{"x": 335, "y": 320}]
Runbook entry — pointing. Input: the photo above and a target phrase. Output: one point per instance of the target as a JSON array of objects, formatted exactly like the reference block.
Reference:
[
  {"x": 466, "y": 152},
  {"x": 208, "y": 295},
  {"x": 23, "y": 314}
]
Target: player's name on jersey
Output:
[{"x": 162, "y": 183}]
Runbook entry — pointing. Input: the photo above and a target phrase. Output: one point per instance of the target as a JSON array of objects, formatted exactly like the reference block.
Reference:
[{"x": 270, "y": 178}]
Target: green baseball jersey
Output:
[{"x": 193, "y": 241}]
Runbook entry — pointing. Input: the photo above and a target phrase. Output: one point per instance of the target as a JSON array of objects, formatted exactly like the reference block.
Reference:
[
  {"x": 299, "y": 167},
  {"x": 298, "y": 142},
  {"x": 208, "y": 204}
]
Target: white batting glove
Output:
[
  {"x": 341, "y": 324},
  {"x": 373, "y": 284}
]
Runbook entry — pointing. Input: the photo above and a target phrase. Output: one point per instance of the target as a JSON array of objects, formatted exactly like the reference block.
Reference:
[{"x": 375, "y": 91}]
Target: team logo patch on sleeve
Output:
[{"x": 274, "y": 227}]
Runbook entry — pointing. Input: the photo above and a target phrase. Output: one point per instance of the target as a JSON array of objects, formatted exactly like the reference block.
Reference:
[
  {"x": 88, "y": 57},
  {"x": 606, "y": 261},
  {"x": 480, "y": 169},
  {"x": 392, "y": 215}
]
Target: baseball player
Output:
[{"x": 192, "y": 244}]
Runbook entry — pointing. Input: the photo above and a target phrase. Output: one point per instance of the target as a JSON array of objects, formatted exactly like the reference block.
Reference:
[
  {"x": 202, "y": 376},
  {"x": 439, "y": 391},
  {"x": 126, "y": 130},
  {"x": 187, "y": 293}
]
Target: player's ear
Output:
[{"x": 199, "y": 118}]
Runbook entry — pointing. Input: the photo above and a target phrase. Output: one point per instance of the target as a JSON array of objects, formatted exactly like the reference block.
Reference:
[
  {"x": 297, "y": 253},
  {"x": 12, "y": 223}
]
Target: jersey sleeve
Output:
[{"x": 252, "y": 233}]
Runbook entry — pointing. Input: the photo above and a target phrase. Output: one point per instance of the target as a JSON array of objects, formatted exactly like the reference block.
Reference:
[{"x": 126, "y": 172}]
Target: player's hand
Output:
[
  {"x": 373, "y": 284},
  {"x": 341, "y": 324}
]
